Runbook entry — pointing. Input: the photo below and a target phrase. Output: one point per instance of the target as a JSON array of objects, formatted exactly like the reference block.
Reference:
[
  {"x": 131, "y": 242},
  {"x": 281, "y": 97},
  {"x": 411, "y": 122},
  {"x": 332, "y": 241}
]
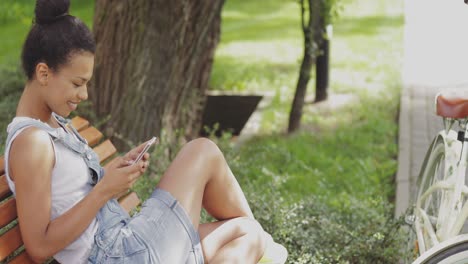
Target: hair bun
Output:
[{"x": 49, "y": 11}]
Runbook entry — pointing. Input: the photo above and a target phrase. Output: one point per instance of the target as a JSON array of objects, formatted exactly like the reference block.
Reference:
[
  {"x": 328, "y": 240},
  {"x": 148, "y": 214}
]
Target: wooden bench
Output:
[{"x": 11, "y": 245}]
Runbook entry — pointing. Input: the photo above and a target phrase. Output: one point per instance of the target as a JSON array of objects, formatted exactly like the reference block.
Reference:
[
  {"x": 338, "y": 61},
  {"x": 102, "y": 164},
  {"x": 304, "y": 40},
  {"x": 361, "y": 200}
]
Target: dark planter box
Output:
[{"x": 230, "y": 111}]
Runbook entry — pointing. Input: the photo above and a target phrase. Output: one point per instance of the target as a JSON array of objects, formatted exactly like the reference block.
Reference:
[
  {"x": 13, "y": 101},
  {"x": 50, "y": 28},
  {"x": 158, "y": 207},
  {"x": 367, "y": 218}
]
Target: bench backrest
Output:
[{"x": 11, "y": 245}]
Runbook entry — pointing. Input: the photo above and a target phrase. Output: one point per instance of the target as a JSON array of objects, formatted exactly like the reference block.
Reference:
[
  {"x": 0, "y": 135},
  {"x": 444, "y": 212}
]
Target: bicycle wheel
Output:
[
  {"x": 452, "y": 251},
  {"x": 431, "y": 200},
  {"x": 457, "y": 254}
]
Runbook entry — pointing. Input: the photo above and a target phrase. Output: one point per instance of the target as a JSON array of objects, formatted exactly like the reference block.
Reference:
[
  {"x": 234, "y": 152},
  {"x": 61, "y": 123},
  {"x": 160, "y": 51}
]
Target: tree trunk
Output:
[
  {"x": 310, "y": 50},
  {"x": 301, "y": 88},
  {"x": 153, "y": 62}
]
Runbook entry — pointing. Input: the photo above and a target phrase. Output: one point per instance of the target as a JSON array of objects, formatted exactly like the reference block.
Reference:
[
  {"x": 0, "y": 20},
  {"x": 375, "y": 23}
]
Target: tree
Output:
[
  {"x": 310, "y": 31},
  {"x": 319, "y": 14},
  {"x": 153, "y": 62},
  {"x": 329, "y": 11}
]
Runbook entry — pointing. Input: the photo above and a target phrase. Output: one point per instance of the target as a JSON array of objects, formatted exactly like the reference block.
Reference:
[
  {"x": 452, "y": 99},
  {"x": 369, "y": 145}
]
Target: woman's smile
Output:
[{"x": 73, "y": 105}]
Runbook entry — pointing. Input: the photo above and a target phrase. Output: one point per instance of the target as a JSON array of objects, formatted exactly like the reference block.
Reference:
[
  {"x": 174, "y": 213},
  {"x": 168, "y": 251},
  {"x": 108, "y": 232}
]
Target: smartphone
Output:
[{"x": 145, "y": 149}]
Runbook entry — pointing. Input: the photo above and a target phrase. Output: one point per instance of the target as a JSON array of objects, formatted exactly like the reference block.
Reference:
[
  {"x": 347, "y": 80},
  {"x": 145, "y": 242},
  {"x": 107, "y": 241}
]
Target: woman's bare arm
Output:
[{"x": 31, "y": 161}]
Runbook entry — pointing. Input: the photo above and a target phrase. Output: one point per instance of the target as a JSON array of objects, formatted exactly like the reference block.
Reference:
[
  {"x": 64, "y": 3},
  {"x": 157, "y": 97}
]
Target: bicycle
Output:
[{"x": 441, "y": 208}]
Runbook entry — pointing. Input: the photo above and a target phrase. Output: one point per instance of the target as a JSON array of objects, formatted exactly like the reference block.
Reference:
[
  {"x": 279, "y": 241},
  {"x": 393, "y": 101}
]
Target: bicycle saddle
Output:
[{"x": 453, "y": 104}]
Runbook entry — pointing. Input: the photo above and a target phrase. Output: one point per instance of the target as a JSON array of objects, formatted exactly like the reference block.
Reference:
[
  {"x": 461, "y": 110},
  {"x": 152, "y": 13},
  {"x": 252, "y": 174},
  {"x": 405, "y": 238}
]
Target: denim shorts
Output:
[{"x": 161, "y": 232}]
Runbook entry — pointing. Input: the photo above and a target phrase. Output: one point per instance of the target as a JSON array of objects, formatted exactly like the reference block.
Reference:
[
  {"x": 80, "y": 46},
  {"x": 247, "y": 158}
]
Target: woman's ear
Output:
[{"x": 42, "y": 73}]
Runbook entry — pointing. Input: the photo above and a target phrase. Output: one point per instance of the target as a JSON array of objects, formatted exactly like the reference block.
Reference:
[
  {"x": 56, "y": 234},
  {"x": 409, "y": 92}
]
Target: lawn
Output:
[{"x": 351, "y": 149}]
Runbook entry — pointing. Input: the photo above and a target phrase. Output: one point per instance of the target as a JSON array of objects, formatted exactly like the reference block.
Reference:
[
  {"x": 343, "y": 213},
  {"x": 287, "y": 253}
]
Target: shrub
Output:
[
  {"x": 11, "y": 88},
  {"x": 317, "y": 231}
]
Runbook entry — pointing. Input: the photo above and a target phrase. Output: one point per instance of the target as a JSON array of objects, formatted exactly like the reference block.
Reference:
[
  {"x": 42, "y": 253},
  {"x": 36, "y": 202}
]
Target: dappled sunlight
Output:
[
  {"x": 283, "y": 52},
  {"x": 236, "y": 74},
  {"x": 282, "y": 10},
  {"x": 363, "y": 8},
  {"x": 359, "y": 26},
  {"x": 257, "y": 61},
  {"x": 330, "y": 115},
  {"x": 358, "y": 80},
  {"x": 262, "y": 21}
]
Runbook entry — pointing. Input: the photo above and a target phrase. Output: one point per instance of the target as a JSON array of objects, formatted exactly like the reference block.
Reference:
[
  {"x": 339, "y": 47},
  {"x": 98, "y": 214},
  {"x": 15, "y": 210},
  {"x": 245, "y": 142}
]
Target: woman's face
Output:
[{"x": 67, "y": 86}]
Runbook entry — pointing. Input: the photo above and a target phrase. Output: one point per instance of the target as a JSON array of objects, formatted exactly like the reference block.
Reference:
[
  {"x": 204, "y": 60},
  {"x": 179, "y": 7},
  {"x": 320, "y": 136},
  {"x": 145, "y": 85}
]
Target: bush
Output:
[
  {"x": 316, "y": 232},
  {"x": 11, "y": 88}
]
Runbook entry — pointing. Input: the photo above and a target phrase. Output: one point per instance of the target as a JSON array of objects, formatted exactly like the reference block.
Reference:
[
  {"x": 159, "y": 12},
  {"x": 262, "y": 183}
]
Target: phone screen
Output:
[{"x": 145, "y": 149}]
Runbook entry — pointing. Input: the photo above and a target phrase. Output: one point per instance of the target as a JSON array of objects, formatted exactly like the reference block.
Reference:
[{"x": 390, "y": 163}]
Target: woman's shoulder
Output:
[
  {"x": 28, "y": 135},
  {"x": 31, "y": 140},
  {"x": 21, "y": 122},
  {"x": 31, "y": 149}
]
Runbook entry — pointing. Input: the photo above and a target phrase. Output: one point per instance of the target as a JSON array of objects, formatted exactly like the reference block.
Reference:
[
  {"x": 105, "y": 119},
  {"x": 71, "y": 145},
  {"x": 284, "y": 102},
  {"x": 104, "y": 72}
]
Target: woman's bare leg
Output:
[
  {"x": 237, "y": 240},
  {"x": 200, "y": 176}
]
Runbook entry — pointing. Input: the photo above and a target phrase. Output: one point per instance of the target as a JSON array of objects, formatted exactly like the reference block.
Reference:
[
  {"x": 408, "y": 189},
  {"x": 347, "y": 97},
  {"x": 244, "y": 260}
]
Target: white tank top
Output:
[{"x": 70, "y": 176}]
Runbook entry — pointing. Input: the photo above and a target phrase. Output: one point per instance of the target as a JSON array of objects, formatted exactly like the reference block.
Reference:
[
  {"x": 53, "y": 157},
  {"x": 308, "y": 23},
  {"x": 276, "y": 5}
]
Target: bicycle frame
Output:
[{"x": 452, "y": 213}]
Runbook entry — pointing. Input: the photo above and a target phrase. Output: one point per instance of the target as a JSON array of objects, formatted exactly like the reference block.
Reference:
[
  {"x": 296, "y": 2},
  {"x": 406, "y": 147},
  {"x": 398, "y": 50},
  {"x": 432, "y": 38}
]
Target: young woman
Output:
[{"x": 65, "y": 199}]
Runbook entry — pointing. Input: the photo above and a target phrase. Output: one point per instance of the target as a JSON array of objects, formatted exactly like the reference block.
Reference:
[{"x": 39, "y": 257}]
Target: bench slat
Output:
[
  {"x": 105, "y": 150},
  {"x": 79, "y": 123},
  {"x": 129, "y": 201},
  {"x": 92, "y": 135},
  {"x": 2, "y": 165},
  {"x": 7, "y": 212},
  {"x": 22, "y": 258},
  {"x": 4, "y": 189},
  {"x": 9, "y": 242}
]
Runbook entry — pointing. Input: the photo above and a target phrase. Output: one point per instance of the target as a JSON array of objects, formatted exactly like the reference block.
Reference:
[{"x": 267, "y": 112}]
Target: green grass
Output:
[{"x": 351, "y": 150}]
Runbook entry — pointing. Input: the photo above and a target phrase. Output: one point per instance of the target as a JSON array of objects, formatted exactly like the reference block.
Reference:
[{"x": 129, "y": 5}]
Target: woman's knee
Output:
[
  {"x": 194, "y": 161},
  {"x": 253, "y": 231},
  {"x": 204, "y": 148}
]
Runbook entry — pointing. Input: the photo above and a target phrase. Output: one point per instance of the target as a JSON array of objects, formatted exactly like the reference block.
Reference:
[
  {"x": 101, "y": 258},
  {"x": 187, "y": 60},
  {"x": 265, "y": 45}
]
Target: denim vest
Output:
[{"x": 79, "y": 146}]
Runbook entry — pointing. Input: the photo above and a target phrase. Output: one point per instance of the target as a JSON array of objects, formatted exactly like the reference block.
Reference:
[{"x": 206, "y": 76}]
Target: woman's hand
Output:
[
  {"x": 119, "y": 175},
  {"x": 133, "y": 154}
]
